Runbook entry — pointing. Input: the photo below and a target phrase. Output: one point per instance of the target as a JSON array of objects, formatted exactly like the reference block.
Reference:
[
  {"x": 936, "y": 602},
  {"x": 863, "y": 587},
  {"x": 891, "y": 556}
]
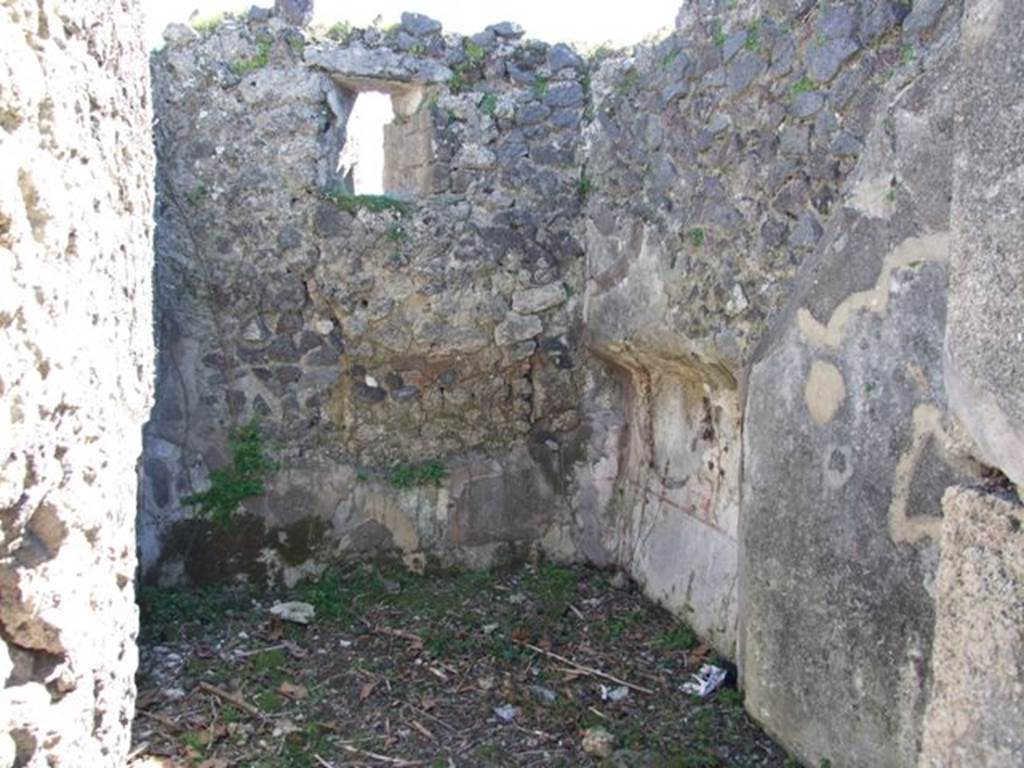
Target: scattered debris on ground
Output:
[{"x": 544, "y": 666}]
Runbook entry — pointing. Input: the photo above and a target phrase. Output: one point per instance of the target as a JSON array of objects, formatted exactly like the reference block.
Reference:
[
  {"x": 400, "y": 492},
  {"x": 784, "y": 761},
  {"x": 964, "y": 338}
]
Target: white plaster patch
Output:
[
  {"x": 934, "y": 247},
  {"x": 824, "y": 391},
  {"x": 838, "y": 466},
  {"x": 927, "y": 424},
  {"x": 871, "y": 197}
]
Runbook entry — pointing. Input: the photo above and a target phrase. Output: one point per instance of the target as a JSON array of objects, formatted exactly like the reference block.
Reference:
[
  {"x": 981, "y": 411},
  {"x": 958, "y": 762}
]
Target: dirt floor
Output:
[{"x": 544, "y": 666}]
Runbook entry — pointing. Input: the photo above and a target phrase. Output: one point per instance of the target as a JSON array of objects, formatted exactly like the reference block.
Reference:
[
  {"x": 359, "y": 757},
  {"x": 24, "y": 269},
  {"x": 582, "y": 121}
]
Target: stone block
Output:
[
  {"x": 976, "y": 712},
  {"x": 534, "y": 300},
  {"x": 516, "y": 328}
]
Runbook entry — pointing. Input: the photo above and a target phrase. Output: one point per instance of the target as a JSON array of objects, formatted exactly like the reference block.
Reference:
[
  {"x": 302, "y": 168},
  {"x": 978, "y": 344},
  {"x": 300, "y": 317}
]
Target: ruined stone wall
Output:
[
  {"x": 76, "y": 168},
  {"x": 767, "y": 250},
  {"x": 440, "y": 331},
  {"x": 727, "y": 158},
  {"x": 680, "y": 309}
]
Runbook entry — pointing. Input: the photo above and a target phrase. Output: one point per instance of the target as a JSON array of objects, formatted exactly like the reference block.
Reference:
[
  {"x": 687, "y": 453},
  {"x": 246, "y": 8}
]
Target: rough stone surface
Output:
[
  {"x": 530, "y": 301},
  {"x": 976, "y": 712},
  {"x": 76, "y": 170},
  {"x": 680, "y": 309},
  {"x": 731, "y": 174},
  {"x": 985, "y": 337},
  {"x": 295, "y": 12},
  {"x": 361, "y": 339},
  {"x": 848, "y": 443}
]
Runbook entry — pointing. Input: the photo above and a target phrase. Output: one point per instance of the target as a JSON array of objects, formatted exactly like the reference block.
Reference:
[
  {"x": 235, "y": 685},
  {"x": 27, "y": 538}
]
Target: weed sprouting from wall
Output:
[
  {"x": 243, "y": 478},
  {"x": 206, "y": 24},
  {"x": 352, "y": 203},
  {"x": 260, "y": 60},
  {"x": 489, "y": 104},
  {"x": 432, "y": 472}
]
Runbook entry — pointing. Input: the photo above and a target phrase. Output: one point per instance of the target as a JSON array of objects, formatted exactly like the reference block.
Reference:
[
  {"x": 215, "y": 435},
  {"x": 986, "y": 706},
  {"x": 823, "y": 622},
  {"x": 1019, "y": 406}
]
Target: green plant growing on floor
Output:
[
  {"x": 241, "y": 479},
  {"x": 679, "y": 638},
  {"x": 353, "y": 203},
  {"x": 245, "y": 66},
  {"x": 172, "y": 606},
  {"x": 540, "y": 87},
  {"x": 731, "y": 697},
  {"x": 697, "y": 237},
  {"x": 268, "y": 701},
  {"x": 432, "y": 472}
]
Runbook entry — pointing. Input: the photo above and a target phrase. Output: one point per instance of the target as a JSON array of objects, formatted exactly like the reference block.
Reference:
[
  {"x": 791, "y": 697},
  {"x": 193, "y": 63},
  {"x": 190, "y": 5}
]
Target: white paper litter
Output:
[
  {"x": 614, "y": 694},
  {"x": 706, "y": 681},
  {"x": 299, "y": 613}
]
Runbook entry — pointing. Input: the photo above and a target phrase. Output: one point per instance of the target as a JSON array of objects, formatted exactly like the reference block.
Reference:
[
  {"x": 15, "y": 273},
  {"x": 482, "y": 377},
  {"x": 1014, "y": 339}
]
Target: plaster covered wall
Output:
[
  {"x": 76, "y": 169},
  {"x": 974, "y": 715},
  {"x": 758, "y": 155}
]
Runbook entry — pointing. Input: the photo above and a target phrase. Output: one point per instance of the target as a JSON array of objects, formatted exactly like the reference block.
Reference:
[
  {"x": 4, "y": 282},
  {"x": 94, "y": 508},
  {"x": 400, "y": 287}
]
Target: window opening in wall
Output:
[
  {"x": 388, "y": 145},
  {"x": 362, "y": 159}
]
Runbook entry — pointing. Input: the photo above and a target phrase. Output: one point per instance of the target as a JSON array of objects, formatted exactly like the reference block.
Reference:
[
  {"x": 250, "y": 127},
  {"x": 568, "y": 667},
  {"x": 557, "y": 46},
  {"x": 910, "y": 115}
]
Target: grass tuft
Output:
[
  {"x": 243, "y": 67},
  {"x": 352, "y": 203},
  {"x": 206, "y": 24},
  {"x": 803, "y": 85},
  {"x": 431, "y": 472}
]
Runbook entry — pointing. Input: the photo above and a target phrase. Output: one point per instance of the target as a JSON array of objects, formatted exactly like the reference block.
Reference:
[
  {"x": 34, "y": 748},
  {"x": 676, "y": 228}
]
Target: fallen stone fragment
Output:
[
  {"x": 542, "y": 694},
  {"x": 485, "y": 683},
  {"x": 296, "y": 612},
  {"x": 597, "y": 742},
  {"x": 506, "y": 712},
  {"x": 294, "y": 691}
]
